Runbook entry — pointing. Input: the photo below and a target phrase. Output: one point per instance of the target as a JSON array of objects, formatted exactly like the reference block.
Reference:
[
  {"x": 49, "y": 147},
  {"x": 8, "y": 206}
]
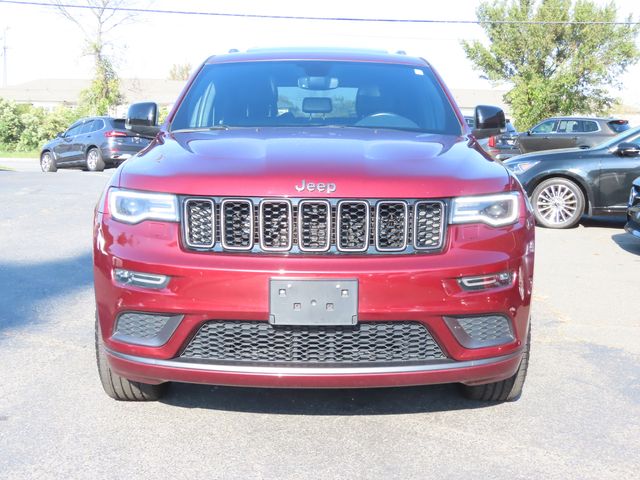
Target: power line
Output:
[{"x": 324, "y": 19}]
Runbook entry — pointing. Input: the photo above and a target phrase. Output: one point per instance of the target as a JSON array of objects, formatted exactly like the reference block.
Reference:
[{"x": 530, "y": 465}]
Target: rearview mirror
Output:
[
  {"x": 490, "y": 121},
  {"x": 628, "y": 149},
  {"x": 142, "y": 118}
]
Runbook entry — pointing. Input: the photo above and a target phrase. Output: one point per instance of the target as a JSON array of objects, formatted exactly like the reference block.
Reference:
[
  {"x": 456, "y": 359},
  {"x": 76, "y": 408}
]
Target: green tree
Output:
[
  {"x": 97, "y": 21},
  {"x": 555, "y": 68}
]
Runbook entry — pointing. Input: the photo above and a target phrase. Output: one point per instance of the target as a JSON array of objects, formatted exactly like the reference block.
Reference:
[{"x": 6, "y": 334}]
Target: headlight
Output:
[
  {"x": 521, "y": 167},
  {"x": 496, "y": 210},
  {"x": 130, "y": 206}
]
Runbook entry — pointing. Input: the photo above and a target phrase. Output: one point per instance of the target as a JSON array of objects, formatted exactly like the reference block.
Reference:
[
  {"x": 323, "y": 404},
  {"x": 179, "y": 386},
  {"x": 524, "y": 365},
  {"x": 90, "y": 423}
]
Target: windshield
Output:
[{"x": 314, "y": 93}]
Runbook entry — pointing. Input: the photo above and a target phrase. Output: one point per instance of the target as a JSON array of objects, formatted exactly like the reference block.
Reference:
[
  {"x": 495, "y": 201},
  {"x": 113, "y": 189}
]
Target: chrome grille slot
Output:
[
  {"x": 276, "y": 226},
  {"x": 236, "y": 223},
  {"x": 392, "y": 220},
  {"x": 353, "y": 226},
  {"x": 428, "y": 224},
  {"x": 199, "y": 227},
  {"x": 314, "y": 225}
]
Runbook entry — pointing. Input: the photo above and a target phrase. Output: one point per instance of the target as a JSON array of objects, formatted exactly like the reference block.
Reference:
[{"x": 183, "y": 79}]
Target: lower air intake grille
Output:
[{"x": 368, "y": 342}]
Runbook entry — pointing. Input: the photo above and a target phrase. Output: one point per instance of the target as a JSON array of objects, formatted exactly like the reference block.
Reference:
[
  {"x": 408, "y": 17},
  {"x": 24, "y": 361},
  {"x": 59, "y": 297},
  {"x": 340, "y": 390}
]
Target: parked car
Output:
[
  {"x": 93, "y": 143},
  {"x": 633, "y": 209},
  {"x": 568, "y": 132},
  {"x": 502, "y": 146},
  {"x": 565, "y": 184},
  {"x": 313, "y": 219}
]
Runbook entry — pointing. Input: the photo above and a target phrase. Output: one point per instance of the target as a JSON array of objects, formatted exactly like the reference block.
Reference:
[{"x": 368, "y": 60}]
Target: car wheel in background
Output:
[
  {"x": 48, "y": 163},
  {"x": 558, "y": 203},
  {"x": 95, "y": 163},
  {"x": 120, "y": 388}
]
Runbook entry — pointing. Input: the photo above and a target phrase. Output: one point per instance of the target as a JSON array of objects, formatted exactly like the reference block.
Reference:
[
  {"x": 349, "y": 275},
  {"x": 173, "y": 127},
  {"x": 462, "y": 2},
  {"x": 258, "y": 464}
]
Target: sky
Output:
[{"x": 42, "y": 44}]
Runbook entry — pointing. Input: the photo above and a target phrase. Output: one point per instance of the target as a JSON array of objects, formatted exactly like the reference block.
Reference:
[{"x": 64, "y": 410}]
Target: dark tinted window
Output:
[
  {"x": 589, "y": 126},
  {"x": 73, "y": 130},
  {"x": 118, "y": 123},
  {"x": 544, "y": 127},
  {"x": 98, "y": 124},
  {"x": 314, "y": 93},
  {"x": 87, "y": 127},
  {"x": 619, "y": 125}
]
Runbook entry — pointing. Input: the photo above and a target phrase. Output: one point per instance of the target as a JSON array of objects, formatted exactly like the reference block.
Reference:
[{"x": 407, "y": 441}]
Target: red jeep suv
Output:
[{"x": 313, "y": 219}]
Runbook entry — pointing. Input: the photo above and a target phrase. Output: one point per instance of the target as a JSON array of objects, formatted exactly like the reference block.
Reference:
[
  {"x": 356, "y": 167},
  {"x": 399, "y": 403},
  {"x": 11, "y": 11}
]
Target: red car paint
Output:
[{"x": 268, "y": 162}]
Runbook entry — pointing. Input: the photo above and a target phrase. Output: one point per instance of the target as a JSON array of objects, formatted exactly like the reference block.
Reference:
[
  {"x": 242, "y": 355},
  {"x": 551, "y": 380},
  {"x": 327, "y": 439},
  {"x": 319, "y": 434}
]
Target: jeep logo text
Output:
[{"x": 312, "y": 187}]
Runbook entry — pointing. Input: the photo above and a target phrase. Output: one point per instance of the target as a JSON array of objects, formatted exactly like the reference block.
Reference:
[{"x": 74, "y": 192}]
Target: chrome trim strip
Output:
[
  {"x": 289, "y": 222},
  {"x": 339, "y": 226},
  {"x": 223, "y": 228},
  {"x": 186, "y": 222},
  {"x": 443, "y": 213},
  {"x": 406, "y": 226},
  {"x": 302, "y": 248},
  {"x": 311, "y": 371}
]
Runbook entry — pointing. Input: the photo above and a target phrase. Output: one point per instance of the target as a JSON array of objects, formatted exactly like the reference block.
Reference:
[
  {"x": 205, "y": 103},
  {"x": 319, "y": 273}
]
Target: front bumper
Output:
[{"x": 215, "y": 286}]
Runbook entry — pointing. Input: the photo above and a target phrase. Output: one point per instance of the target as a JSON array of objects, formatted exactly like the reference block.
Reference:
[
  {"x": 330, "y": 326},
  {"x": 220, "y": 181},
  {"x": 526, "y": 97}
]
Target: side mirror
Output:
[
  {"x": 628, "y": 149},
  {"x": 490, "y": 121},
  {"x": 142, "y": 118},
  {"x": 59, "y": 134},
  {"x": 528, "y": 133}
]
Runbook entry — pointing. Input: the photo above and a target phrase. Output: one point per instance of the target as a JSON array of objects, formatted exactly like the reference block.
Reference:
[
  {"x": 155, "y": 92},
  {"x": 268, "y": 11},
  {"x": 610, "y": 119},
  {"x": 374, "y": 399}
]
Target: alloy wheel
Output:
[{"x": 557, "y": 204}]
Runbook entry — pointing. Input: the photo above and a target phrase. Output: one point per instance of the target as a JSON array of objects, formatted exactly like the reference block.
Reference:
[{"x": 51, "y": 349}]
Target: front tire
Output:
[
  {"x": 48, "y": 163},
  {"x": 95, "y": 163},
  {"x": 507, "y": 390},
  {"x": 120, "y": 388},
  {"x": 558, "y": 203}
]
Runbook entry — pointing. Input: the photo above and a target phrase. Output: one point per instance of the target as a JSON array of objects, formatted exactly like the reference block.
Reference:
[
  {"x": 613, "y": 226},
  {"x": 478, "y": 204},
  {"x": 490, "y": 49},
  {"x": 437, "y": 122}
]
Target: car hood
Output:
[{"x": 359, "y": 162}]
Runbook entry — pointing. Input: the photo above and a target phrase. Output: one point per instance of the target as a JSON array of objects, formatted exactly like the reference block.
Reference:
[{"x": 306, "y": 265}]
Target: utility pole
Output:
[{"x": 4, "y": 57}]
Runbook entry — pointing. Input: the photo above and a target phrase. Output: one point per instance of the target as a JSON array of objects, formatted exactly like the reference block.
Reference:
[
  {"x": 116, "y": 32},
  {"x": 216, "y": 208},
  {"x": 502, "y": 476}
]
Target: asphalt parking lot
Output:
[{"x": 579, "y": 416}]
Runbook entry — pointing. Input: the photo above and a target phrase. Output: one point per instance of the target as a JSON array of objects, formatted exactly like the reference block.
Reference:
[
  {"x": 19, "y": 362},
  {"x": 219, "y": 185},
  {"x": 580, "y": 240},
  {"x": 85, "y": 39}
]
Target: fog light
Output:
[
  {"x": 482, "y": 282},
  {"x": 138, "y": 279},
  {"x": 148, "y": 329},
  {"x": 481, "y": 331}
]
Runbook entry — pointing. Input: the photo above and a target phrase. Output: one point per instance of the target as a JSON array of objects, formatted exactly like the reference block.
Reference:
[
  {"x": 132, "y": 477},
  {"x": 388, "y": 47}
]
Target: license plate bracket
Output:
[{"x": 294, "y": 301}]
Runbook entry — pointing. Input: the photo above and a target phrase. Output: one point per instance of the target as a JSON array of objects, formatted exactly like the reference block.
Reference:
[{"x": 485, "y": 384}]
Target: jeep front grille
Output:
[
  {"x": 367, "y": 342},
  {"x": 279, "y": 225}
]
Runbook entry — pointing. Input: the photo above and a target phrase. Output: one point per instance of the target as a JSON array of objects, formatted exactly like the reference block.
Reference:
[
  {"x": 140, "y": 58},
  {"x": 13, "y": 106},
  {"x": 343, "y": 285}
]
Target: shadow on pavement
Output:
[
  {"x": 370, "y": 401},
  {"x": 627, "y": 242},
  {"x": 603, "y": 222},
  {"x": 24, "y": 286}
]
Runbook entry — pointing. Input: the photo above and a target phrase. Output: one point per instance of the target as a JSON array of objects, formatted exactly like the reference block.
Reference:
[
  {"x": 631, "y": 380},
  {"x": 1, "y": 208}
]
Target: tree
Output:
[
  {"x": 555, "y": 68},
  {"x": 180, "y": 71},
  {"x": 97, "y": 23}
]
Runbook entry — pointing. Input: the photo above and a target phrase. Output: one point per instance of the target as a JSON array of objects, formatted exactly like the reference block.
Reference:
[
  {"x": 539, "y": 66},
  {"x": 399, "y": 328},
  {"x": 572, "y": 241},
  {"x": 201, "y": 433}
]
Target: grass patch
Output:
[{"x": 5, "y": 154}]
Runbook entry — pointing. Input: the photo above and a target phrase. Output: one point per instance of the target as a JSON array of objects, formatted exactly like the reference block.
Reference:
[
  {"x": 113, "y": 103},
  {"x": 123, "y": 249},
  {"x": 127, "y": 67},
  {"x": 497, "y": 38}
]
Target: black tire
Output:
[
  {"x": 95, "y": 162},
  {"x": 48, "y": 163},
  {"x": 507, "y": 390},
  {"x": 120, "y": 388},
  {"x": 558, "y": 203}
]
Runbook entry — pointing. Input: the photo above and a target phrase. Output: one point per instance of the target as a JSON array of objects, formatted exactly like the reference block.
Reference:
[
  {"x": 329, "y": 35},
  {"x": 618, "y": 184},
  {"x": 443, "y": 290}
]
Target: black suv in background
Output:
[
  {"x": 569, "y": 132},
  {"x": 93, "y": 143}
]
